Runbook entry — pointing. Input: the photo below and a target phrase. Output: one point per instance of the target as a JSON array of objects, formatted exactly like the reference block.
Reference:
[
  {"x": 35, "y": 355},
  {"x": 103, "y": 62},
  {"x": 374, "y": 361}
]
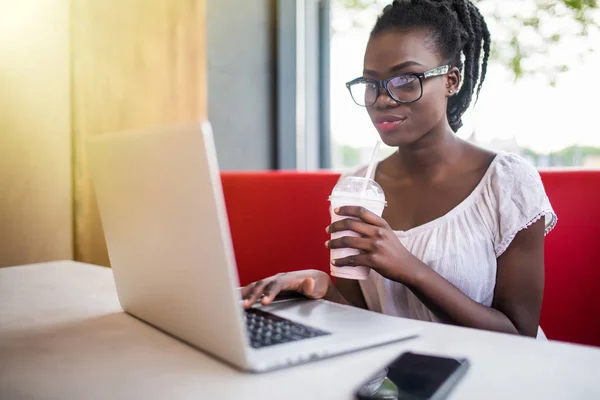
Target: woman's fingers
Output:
[
  {"x": 255, "y": 292},
  {"x": 366, "y": 260},
  {"x": 363, "y": 214},
  {"x": 354, "y": 225},
  {"x": 351, "y": 242},
  {"x": 246, "y": 290},
  {"x": 310, "y": 283},
  {"x": 271, "y": 290}
]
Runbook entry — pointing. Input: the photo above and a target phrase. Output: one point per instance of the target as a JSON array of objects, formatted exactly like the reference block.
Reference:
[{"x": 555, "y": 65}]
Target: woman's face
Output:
[{"x": 392, "y": 53}]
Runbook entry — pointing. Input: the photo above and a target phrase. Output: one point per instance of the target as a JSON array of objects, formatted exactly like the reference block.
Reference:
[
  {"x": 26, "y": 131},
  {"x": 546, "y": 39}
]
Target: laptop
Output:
[{"x": 162, "y": 209}]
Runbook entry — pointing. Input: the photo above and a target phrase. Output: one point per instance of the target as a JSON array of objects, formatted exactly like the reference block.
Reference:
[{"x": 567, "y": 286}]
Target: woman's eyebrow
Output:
[{"x": 395, "y": 68}]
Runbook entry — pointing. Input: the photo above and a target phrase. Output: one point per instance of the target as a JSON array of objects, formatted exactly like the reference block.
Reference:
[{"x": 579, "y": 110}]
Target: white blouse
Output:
[{"x": 463, "y": 245}]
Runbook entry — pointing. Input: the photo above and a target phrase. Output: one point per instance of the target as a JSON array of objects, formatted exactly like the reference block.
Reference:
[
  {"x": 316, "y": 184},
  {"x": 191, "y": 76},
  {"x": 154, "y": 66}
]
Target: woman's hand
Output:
[
  {"x": 313, "y": 284},
  {"x": 380, "y": 248}
]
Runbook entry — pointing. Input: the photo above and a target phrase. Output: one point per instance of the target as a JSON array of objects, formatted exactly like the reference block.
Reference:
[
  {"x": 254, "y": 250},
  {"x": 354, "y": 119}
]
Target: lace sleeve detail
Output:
[{"x": 520, "y": 200}]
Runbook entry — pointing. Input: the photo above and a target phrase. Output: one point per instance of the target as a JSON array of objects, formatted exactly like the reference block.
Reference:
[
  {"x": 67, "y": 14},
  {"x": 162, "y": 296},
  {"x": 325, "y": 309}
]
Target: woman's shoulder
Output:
[
  {"x": 514, "y": 162},
  {"x": 516, "y": 198},
  {"x": 510, "y": 171}
]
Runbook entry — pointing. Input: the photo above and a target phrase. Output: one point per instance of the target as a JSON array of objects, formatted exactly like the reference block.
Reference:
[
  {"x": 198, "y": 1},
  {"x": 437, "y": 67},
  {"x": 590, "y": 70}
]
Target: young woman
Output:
[{"x": 462, "y": 238}]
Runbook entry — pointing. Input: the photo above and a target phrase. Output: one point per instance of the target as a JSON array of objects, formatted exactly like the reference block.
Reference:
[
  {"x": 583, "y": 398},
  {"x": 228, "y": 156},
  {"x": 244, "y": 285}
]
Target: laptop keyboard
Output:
[{"x": 266, "y": 329}]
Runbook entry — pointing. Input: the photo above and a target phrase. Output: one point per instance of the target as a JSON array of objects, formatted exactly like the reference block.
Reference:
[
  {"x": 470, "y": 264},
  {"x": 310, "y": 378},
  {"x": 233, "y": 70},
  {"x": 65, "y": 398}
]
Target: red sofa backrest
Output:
[
  {"x": 278, "y": 222},
  {"x": 571, "y": 308}
]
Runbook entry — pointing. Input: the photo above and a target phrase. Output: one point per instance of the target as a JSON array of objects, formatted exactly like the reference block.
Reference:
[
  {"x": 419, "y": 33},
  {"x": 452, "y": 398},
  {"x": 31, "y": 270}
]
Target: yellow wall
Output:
[
  {"x": 135, "y": 63},
  {"x": 35, "y": 133},
  {"x": 126, "y": 64}
]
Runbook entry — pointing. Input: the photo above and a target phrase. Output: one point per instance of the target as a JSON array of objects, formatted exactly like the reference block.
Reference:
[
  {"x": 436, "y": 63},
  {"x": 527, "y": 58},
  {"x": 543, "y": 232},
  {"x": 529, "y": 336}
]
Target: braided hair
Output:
[{"x": 458, "y": 29}]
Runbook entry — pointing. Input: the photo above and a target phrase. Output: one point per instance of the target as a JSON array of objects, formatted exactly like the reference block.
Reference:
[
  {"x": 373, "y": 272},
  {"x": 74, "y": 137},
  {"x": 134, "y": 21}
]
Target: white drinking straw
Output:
[{"x": 371, "y": 166}]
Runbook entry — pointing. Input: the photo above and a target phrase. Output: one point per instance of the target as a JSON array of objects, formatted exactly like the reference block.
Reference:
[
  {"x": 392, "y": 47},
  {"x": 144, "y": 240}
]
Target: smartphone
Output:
[{"x": 416, "y": 377}]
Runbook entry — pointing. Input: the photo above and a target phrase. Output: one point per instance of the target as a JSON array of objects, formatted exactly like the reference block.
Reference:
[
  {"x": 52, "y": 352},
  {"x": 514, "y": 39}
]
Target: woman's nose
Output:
[{"x": 384, "y": 100}]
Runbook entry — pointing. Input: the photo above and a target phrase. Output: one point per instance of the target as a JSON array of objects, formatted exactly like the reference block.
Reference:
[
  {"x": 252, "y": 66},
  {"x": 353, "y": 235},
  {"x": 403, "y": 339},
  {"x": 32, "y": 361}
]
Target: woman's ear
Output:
[{"x": 452, "y": 81}]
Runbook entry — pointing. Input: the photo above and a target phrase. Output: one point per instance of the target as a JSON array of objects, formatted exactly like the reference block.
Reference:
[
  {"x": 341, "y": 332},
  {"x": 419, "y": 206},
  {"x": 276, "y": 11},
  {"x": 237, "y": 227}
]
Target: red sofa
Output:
[{"x": 278, "y": 222}]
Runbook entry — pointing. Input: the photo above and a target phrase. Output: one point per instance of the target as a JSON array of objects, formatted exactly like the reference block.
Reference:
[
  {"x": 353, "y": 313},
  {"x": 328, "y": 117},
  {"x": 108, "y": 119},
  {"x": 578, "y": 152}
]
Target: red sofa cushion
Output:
[{"x": 278, "y": 221}]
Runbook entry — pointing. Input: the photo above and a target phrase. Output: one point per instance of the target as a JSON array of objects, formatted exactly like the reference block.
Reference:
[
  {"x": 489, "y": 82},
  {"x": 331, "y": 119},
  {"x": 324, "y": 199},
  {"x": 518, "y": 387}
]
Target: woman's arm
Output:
[
  {"x": 350, "y": 291},
  {"x": 517, "y": 297},
  {"x": 519, "y": 281}
]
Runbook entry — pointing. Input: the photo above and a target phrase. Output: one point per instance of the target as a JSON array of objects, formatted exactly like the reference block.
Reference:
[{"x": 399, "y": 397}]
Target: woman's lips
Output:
[{"x": 388, "y": 126}]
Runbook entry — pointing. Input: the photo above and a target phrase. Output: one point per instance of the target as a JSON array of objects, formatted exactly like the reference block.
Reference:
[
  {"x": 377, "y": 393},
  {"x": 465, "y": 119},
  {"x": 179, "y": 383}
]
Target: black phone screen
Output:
[{"x": 410, "y": 376}]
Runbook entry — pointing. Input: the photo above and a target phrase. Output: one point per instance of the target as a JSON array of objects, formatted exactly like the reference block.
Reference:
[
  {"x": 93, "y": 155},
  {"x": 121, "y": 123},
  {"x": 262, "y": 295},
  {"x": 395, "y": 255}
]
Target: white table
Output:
[{"x": 63, "y": 335}]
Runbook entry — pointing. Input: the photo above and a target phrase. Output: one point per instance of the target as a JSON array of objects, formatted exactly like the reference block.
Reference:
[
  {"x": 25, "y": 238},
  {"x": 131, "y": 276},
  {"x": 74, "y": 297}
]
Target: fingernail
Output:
[
  {"x": 337, "y": 210},
  {"x": 327, "y": 229},
  {"x": 333, "y": 262},
  {"x": 327, "y": 243}
]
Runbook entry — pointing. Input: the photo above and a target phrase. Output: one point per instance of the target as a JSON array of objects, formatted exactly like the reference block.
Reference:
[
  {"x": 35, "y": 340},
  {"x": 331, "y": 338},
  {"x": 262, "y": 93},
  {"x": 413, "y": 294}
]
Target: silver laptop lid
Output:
[{"x": 164, "y": 218}]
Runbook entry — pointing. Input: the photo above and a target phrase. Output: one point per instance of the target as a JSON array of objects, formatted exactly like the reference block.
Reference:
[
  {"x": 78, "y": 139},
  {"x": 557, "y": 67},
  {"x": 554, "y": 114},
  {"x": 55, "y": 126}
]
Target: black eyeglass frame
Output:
[{"x": 422, "y": 76}]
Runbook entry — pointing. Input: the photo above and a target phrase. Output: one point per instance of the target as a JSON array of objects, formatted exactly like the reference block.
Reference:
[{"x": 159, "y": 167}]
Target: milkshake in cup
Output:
[
  {"x": 350, "y": 192},
  {"x": 355, "y": 191}
]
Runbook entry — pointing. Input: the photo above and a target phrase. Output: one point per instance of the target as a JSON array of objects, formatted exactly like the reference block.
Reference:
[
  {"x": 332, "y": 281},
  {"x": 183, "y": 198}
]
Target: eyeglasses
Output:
[{"x": 406, "y": 88}]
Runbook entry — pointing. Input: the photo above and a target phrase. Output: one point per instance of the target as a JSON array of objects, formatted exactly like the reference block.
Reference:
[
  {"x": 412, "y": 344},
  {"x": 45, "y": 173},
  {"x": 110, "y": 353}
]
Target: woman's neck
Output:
[{"x": 431, "y": 153}]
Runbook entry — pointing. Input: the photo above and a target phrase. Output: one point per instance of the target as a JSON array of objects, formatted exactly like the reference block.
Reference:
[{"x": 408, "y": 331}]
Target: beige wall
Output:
[
  {"x": 131, "y": 63},
  {"x": 35, "y": 135}
]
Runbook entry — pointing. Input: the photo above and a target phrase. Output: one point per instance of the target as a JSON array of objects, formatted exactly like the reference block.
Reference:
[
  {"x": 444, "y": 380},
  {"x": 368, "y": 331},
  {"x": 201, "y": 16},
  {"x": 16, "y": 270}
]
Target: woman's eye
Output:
[{"x": 402, "y": 80}]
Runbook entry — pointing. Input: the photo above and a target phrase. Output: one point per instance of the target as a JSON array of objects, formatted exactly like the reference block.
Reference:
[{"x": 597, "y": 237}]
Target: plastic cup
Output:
[{"x": 353, "y": 191}]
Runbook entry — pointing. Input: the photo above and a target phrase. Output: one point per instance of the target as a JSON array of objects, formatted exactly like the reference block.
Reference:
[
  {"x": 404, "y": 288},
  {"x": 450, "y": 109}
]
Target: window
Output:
[{"x": 550, "y": 119}]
